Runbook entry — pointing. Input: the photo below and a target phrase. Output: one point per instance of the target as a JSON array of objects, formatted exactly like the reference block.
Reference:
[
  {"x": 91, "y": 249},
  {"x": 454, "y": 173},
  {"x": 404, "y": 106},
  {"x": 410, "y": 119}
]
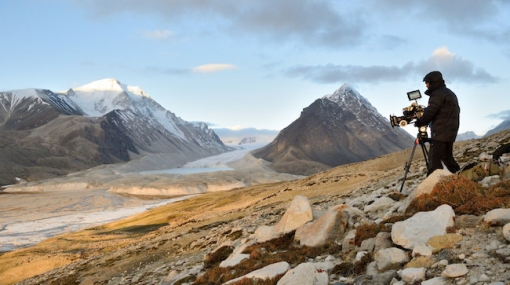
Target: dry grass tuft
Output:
[
  {"x": 353, "y": 269},
  {"x": 263, "y": 254},
  {"x": 466, "y": 197},
  {"x": 217, "y": 256},
  {"x": 369, "y": 230}
]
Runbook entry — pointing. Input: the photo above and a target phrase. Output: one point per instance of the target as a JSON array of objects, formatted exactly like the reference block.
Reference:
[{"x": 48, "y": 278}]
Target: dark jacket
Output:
[{"x": 443, "y": 110}]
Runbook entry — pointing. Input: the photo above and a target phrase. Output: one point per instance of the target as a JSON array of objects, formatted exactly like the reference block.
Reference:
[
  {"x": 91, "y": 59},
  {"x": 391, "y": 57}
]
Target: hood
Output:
[{"x": 435, "y": 78}]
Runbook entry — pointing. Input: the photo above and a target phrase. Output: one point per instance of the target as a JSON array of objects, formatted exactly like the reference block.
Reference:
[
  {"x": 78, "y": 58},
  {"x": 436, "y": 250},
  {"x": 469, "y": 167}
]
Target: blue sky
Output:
[{"x": 257, "y": 63}]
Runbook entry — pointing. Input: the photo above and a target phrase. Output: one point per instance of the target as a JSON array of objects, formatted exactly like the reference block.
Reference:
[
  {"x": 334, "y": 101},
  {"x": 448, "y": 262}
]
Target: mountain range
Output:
[
  {"x": 46, "y": 134},
  {"x": 336, "y": 129}
]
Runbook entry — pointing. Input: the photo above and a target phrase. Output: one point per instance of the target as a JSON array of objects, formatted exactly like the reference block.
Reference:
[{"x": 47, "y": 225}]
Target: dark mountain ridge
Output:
[{"x": 334, "y": 130}]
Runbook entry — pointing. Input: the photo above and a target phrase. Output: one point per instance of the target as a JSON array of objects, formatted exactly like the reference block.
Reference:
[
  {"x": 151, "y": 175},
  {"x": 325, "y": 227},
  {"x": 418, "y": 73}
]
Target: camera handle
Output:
[{"x": 420, "y": 140}]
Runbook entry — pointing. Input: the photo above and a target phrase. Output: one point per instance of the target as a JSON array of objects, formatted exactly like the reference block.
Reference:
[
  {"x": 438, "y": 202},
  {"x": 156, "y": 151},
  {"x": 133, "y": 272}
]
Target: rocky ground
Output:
[{"x": 186, "y": 242}]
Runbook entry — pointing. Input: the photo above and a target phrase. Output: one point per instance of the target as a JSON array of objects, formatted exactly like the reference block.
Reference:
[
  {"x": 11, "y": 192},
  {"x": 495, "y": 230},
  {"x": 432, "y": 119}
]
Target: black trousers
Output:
[{"x": 439, "y": 153}]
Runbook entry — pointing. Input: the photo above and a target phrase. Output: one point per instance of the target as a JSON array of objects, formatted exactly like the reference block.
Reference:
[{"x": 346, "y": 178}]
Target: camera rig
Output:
[{"x": 410, "y": 113}]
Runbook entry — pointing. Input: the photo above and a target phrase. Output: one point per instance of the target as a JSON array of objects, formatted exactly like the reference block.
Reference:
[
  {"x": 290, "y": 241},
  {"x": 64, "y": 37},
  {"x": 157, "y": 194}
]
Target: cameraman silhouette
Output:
[{"x": 442, "y": 113}]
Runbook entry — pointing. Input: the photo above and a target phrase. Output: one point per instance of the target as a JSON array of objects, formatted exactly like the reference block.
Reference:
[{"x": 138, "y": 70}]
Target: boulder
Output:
[
  {"x": 422, "y": 226},
  {"x": 331, "y": 226},
  {"x": 298, "y": 214},
  {"x": 390, "y": 258},
  {"x": 497, "y": 217},
  {"x": 305, "y": 274}
]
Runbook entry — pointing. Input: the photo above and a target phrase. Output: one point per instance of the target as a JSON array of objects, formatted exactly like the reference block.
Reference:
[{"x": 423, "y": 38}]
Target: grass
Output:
[
  {"x": 466, "y": 197},
  {"x": 263, "y": 254}
]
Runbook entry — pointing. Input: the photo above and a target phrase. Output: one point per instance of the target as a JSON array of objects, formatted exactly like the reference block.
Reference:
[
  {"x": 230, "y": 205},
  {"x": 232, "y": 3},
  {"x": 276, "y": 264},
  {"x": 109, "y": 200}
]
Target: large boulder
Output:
[
  {"x": 329, "y": 227},
  {"x": 422, "y": 226},
  {"x": 298, "y": 214}
]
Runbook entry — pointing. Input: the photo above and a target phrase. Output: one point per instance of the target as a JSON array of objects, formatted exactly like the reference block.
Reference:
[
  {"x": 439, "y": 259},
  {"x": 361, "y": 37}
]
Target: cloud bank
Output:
[{"x": 452, "y": 66}]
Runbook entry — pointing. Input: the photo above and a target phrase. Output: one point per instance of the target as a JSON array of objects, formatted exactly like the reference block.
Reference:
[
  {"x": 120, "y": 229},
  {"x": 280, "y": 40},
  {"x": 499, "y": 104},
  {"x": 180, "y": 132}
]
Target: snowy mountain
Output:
[
  {"x": 230, "y": 136},
  {"x": 336, "y": 129},
  {"x": 99, "y": 123},
  {"x": 505, "y": 125}
]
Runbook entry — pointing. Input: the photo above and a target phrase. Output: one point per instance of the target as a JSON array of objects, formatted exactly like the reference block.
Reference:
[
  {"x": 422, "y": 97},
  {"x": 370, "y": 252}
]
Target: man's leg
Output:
[
  {"x": 435, "y": 155},
  {"x": 449, "y": 160}
]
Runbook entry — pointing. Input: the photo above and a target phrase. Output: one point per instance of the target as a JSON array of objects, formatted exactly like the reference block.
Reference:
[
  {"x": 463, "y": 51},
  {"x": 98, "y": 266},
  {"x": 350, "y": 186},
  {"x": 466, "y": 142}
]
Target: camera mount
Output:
[{"x": 410, "y": 114}]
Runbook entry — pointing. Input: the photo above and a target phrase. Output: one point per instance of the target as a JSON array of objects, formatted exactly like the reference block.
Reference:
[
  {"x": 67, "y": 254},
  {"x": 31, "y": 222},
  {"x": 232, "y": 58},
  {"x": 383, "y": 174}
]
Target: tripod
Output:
[{"x": 421, "y": 139}]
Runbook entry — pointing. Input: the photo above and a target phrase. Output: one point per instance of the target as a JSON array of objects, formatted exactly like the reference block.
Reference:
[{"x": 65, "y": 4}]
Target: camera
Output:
[{"x": 410, "y": 113}]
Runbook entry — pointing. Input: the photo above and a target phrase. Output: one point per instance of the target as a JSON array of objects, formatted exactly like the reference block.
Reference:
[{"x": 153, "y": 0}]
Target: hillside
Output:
[{"x": 174, "y": 243}]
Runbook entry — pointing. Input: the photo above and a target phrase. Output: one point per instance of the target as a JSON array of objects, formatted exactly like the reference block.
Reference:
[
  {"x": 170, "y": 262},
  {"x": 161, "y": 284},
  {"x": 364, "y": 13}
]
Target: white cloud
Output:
[
  {"x": 157, "y": 34},
  {"x": 213, "y": 67},
  {"x": 442, "y": 52}
]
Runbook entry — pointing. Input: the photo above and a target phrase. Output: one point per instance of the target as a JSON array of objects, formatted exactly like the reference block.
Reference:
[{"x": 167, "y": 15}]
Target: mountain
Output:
[
  {"x": 467, "y": 136},
  {"x": 46, "y": 134},
  {"x": 336, "y": 129},
  {"x": 230, "y": 136},
  {"x": 505, "y": 125}
]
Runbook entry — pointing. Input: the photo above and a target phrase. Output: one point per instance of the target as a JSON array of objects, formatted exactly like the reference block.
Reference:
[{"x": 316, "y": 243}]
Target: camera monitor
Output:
[{"x": 414, "y": 95}]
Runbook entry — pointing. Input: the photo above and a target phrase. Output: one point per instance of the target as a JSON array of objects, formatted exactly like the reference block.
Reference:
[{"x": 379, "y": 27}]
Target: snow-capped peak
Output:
[
  {"x": 102, "y": 96},
  {"x": 111, "y": 84},
  {"x": 346, "y": 94}
]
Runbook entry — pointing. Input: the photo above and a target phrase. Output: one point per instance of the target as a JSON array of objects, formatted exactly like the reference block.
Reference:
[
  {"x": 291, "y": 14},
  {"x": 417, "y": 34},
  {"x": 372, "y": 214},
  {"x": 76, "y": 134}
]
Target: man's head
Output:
[{"x": 433, "y": 79}]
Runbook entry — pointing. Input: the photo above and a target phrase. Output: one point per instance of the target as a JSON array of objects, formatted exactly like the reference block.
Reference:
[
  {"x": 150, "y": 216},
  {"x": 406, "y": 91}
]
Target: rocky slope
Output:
[
  {"x": 336, "y": 129},
  {"x": 216, "y": 237}
]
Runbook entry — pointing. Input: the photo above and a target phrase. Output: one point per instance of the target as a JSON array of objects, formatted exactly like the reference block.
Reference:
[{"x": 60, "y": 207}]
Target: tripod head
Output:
[{"x": 422, "y": 133}]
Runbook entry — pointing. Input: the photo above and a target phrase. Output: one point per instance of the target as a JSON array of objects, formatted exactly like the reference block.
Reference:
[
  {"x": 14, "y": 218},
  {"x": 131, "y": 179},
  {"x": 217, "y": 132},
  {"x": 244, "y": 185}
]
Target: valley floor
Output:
[{"x": 29, "y": 217}]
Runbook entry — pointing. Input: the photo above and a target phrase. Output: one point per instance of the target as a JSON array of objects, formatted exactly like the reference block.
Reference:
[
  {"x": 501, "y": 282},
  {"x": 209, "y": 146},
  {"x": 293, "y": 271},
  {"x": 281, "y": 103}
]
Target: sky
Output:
[{"x": 257, "y": 63}]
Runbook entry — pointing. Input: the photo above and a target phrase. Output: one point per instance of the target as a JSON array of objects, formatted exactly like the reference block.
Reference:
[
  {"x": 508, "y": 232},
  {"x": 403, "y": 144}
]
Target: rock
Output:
[
  {"x": 379, "y": 204},
  {"x": 497, "y": 217},
  {"x": 490, "y": 180},
  {"x": 298, "y": 214},
  {"x": 348, "y": 241},
  {"x": 454, "y": 270},
  {"x": 236, "y": 256},
  {"x": 424, "y": 187},
  {"x": 411, "y": 275},
  {"x": 390, "y": 258},
  {"x": 435, "y": 281},
  {"x": 382, "y": 241},
  {"x": 368, "y": 245},
  {"x": 420, "y": 261},
  {"x": 444, "y": 241},
  {"x": 506, "y": 231},
  {"x": 422, "y": 226},
  {"x": 264, "y": 273},
  {"x": 330, "y": 227},
  {"x": 174, "y": 276},
  {"x": 422, "y": 250},
  {"x": 265, "y": 233},
  {"x": 305, "y": 274}
]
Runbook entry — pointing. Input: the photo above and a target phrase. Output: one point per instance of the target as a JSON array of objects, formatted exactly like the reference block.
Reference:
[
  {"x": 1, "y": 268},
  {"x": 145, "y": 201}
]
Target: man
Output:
[{"x": 442, "y": 113}]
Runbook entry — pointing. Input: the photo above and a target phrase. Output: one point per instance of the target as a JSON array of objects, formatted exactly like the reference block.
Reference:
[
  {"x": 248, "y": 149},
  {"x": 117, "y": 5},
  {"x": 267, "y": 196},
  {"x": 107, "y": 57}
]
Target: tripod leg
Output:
[
  {"x": 425, "y": 153},
  {"x": 408, "y": 165}
]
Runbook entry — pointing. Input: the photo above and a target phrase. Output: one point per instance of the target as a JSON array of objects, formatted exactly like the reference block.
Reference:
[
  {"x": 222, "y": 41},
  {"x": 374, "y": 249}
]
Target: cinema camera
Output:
[{"x": 410, "y": 113}]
